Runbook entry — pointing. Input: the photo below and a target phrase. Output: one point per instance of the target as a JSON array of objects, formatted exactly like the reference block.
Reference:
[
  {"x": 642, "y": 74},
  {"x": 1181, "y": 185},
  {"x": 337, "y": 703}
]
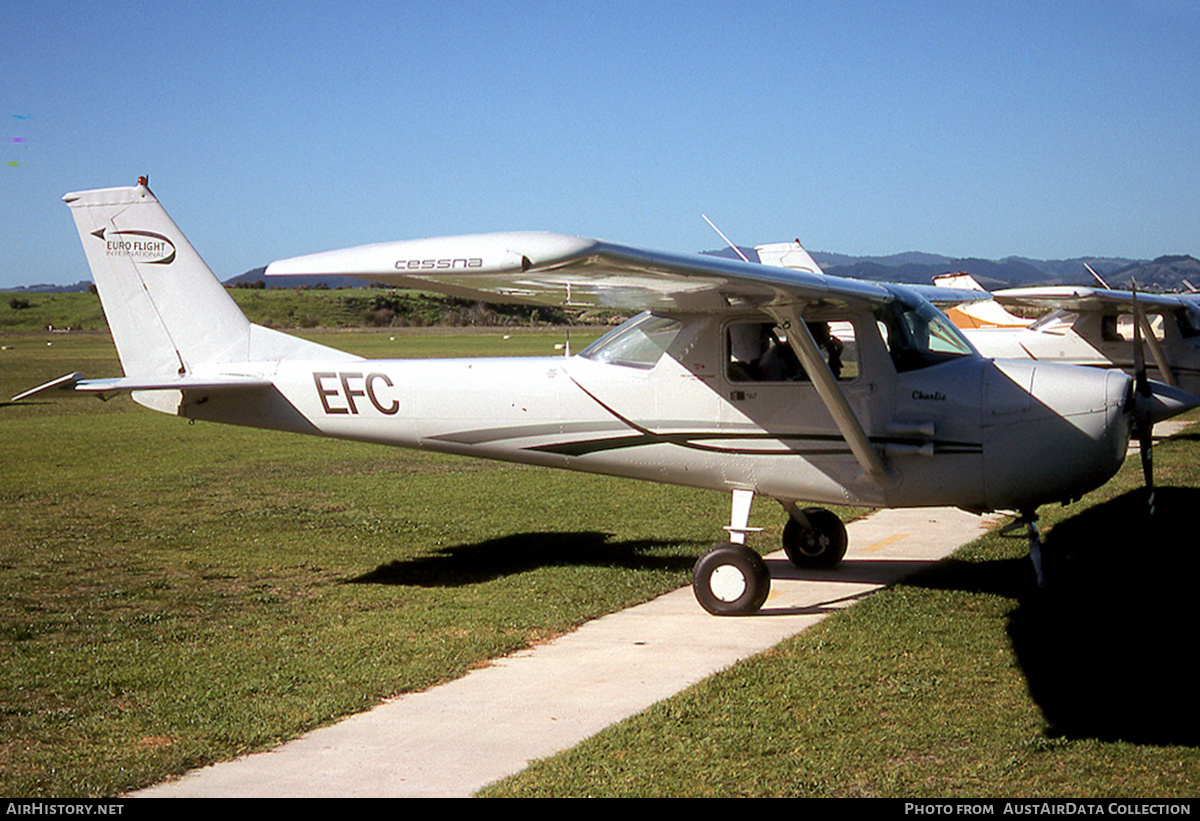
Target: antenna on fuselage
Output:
[{"x": 736, "y": 250}]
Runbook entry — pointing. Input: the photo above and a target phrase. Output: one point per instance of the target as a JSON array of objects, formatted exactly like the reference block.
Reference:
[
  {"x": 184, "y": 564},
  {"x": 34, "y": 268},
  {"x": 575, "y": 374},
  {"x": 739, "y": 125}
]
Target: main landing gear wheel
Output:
[
  {"x": 731, "y": 580},
  {"x": 821, "y": 544}
]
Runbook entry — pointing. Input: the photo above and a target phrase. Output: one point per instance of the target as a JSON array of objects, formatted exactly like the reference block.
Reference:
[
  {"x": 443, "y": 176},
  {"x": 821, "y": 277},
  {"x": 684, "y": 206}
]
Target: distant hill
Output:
[
  {"x": 255, "y": 276},
  {"x": 917, "y": 258},
  {"x": 1163, "y": 274},
  {"x": 83, "y": 285},
  {"x": 1168, "y": 273}
]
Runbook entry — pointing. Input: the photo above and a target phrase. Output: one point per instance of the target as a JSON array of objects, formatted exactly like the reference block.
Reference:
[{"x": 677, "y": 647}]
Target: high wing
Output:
[
  {"x": 944, "y": 297},
  {"x": 1077, "y": 298},
  {"x": 560, "y": 270}
]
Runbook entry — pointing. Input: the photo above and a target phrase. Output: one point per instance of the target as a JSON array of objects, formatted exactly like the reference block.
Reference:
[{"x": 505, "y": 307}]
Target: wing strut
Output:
[
  {"x": 1156, "y": 351},
  {"x": 802, "y": 342}
]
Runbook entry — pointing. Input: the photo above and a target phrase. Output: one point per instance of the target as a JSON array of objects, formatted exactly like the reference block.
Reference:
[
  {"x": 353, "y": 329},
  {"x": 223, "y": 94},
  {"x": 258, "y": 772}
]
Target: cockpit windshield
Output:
[
  {"x": 639, "y": 343},
  {"x": 918, "y": 335}
]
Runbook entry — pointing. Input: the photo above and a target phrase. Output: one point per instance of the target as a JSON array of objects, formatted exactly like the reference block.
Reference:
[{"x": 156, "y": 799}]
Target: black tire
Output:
[
  {"x": 731, "y": 580},
  {"x": 822, "y": 545}
]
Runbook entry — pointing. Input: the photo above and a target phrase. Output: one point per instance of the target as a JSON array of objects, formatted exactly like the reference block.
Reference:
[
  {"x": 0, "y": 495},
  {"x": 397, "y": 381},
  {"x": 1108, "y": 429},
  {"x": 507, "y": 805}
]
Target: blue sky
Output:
[{"x": 1041, "y": 129}]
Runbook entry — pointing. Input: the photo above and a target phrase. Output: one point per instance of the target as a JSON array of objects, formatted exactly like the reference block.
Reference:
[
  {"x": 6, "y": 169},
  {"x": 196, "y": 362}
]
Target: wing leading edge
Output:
[
  {"x": 560, "y": 270},
  {"x": 1074, "y": 298}
]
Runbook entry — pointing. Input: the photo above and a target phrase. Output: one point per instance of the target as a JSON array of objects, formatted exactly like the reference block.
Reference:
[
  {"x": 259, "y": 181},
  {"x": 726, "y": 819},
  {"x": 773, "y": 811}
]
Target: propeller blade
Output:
[
  {"x": 1151, "y": 404},
  {"x": 1139, "y": 355},
  {"x": 1147, "y": 449},
  {"x": 1143, "y": 418}
]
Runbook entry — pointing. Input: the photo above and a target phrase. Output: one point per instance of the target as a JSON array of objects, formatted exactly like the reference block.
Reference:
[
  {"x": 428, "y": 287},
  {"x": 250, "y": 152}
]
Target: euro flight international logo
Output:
[{"x": 141, "y": 246}]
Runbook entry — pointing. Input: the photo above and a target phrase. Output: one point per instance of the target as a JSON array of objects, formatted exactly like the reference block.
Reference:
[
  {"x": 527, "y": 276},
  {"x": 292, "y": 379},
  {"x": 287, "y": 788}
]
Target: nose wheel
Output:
[{"x": 731, "y": 580}]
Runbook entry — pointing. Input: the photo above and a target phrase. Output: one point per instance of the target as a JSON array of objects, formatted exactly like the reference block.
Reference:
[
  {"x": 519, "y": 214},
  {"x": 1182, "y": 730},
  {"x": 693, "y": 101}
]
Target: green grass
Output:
[
  {"x": 175, "y": 594},
  {"x": 80, "y": 311},
  {"x": 290, "y": 309}
]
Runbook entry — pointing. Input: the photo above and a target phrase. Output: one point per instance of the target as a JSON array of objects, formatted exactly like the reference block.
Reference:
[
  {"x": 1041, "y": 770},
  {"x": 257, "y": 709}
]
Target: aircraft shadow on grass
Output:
[
  {"x": 1107, "y": 648},
  {"x": 519, "y": 552}
]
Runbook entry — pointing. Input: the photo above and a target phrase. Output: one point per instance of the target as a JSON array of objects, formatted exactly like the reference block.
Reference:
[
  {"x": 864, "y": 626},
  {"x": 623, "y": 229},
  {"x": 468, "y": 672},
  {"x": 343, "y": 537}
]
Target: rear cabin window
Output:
[
  {"x": 760, "y": 351},
  {"x": 1119, "y": 327}
]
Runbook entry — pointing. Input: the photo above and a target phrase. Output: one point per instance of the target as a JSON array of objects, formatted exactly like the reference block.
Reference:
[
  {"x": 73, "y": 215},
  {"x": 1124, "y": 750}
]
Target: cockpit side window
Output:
[
  {"x": 639, "y": 343},
  {"x": 1119, "y": 327},
  {"x": 917, "y": 335}
]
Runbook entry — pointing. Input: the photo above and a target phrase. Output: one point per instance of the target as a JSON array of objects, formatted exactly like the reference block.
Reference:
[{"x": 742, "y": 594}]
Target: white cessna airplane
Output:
[
  {"x": 740, "y": 377},
  {"x": 1097, "y": 326},
  {"x": 1108, "y": 329},
  {"x": 1083, "y": 325}
]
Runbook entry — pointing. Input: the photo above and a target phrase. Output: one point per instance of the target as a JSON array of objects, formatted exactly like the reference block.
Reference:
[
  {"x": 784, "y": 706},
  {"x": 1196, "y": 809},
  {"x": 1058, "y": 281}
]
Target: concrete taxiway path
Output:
[{"x": 455, "y": 739}]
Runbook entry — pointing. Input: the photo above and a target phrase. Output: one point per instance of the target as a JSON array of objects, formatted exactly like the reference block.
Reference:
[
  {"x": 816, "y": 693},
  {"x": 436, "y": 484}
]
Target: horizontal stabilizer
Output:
[
  {"x": 63, "y": 383},
  {"x": 74, "y": 382}
]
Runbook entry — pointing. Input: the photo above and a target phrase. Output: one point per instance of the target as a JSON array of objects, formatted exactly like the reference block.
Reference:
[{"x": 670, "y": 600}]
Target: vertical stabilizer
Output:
[
  {"x": 984, "y": 314},
  {"x": 787, "y": 255},
  {"x": 166, "y": 310}
]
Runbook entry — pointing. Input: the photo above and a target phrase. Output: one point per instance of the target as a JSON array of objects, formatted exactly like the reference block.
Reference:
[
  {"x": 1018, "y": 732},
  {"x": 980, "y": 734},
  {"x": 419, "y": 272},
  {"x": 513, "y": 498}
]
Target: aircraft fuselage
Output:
[{"x": 967, "y": 431}]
